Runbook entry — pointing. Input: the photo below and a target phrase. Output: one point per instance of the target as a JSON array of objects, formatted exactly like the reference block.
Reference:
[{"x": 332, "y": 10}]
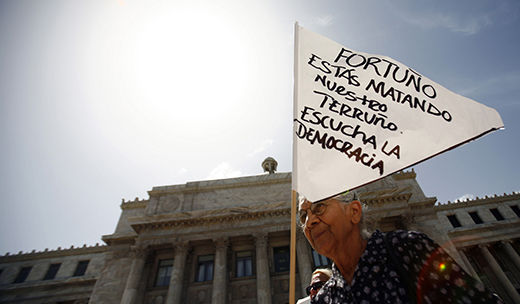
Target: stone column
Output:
[
  {"x": 219, "y": 294},
  {"x": 510, "y": 289},
  {"x": 175, "y": 288},
  {"x": 132, "y": 282},
  {"x": 512, "y": 252},
  {"x": 469, "y": 268},
  {"x": 304, "y": 261},
  {"x": 263, "y": 277}
]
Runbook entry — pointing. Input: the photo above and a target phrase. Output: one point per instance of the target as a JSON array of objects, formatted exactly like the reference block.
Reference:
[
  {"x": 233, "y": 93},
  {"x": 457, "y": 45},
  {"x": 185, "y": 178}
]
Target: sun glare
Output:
[{"x": 193, "y": 61}]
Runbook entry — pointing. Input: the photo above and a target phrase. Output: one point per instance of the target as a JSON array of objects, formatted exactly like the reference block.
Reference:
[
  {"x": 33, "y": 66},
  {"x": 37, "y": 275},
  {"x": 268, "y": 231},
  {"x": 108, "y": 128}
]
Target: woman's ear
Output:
[{"x": 356, "y": 211}]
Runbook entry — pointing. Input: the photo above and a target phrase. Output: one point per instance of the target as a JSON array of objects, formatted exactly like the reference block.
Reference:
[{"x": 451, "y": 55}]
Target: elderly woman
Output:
[{"x": 396, "y": 267}]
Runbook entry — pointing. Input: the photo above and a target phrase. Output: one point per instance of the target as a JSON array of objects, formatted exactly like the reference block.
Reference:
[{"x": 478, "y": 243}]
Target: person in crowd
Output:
[
  {"x": 318, "y": 278},
  {"x": 394, "y": 267}
]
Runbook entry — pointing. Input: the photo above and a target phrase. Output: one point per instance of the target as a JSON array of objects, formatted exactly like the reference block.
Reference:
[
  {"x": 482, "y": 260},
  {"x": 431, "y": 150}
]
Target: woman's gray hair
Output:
[{"x": 350, "y": 196}]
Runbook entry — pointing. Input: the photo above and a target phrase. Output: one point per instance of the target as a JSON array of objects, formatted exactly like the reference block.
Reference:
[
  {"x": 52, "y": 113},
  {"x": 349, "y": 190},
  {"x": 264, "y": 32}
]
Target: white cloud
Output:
[
  {"x": 324, "y": 20},
  {"x": 457, "y": 17},
  {"x": 469, "y": 26},
  {"x": 261, "y": 147},
  {"x": 182, "y": 171},
  {"x": 224, "y": 170},
  {"x": 465, "y": 197},
  {"x": 495, "y": 84}
]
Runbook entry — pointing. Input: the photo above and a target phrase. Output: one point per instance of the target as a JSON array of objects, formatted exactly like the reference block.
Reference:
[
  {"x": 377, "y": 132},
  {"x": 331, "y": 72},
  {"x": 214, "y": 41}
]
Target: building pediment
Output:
[{"x": 205, "y": 217}]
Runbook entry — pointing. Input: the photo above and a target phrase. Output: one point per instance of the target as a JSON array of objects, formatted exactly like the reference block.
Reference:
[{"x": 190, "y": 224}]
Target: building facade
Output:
[{"x": 227, "y": 241}]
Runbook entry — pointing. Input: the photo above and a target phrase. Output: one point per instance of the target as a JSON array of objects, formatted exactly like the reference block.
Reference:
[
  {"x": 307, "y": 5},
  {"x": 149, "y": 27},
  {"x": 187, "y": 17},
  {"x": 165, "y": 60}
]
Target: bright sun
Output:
[{"x": 192, "y": 60}]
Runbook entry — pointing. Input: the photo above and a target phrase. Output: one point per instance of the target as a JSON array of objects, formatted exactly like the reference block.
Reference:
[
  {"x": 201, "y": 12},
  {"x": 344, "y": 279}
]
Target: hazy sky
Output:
[{"x": 102, "y": 100}]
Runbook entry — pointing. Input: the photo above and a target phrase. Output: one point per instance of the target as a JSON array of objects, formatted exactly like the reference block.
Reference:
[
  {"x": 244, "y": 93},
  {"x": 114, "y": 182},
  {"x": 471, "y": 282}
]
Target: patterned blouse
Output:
[{"x": 436, "y": 276}]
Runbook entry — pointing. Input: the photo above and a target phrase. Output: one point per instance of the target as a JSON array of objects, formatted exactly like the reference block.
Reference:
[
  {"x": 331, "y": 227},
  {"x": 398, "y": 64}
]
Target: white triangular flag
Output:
[{"x": 360, "y": 117}]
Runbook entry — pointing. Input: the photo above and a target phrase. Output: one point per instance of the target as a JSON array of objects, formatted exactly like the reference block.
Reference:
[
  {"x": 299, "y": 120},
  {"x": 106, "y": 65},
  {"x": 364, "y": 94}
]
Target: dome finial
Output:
[{"x": 269, "y": 165}]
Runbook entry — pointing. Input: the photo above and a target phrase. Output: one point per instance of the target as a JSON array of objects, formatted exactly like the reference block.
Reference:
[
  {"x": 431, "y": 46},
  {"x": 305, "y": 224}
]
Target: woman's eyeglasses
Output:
[
  {"x": 316, "y": 286},
  {"x": 316, "y": 209}
]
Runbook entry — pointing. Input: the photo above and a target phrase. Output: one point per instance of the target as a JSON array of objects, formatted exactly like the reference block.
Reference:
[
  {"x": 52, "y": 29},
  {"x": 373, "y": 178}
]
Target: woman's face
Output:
[{"x": 329, "y": 229}]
